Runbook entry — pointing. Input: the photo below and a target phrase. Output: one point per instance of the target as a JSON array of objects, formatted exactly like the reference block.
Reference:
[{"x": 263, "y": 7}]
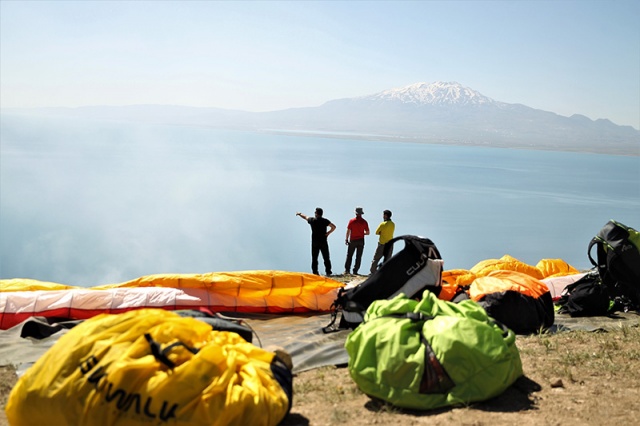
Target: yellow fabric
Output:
[
  {"x": 240, "y": 283},
  {"x": 453, "y": 279},
  {"x": 555, "y": 268},
  {"x": 25, "y": 284},
  {"x": 102, "y": 372},
  {"x": 505, "y": 263}
]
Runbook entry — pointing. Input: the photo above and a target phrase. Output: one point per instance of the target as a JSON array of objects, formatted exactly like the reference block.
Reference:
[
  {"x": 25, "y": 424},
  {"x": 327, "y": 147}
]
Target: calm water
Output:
[{"x": 88, "y": 203}]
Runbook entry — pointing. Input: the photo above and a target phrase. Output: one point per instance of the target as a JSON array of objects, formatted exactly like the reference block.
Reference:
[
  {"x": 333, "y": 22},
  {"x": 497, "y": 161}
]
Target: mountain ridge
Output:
[{"x": 438, "y": 112}]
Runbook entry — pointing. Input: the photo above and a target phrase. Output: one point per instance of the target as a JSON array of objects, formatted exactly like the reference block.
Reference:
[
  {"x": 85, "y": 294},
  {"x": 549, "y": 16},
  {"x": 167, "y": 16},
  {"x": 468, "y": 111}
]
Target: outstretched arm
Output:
[{"x": 305, "y": 217}]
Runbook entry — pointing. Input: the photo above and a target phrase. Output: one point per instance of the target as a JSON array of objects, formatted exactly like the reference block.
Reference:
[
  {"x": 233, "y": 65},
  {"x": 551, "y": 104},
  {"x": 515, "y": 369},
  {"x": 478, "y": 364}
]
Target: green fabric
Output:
[
  {"x": 634, "y": 236},
  {"x": 387, "y": 356}
]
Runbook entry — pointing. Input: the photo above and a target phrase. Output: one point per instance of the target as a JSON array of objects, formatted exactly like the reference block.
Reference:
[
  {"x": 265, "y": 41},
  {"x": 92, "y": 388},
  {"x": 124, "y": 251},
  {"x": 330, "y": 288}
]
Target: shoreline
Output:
[{"x": 442, "y": 142}]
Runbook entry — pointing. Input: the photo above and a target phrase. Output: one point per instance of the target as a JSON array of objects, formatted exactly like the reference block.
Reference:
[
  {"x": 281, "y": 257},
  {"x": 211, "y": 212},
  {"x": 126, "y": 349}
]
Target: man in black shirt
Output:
[{"x": 319, "y": 242}]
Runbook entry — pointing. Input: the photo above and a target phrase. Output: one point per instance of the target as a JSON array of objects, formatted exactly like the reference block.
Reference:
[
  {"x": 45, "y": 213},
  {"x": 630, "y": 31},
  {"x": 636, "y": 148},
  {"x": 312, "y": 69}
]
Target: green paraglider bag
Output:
[{"x": 432, "y": 353}]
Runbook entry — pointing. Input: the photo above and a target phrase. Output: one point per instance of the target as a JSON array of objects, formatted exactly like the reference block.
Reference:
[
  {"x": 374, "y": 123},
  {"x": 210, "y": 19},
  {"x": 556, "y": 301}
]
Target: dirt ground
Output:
[{"x": 571, "y": 378}]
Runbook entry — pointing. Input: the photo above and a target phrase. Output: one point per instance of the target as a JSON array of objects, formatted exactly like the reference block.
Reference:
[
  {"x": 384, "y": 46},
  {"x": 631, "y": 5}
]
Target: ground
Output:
[{"x": 571, "y": 378}]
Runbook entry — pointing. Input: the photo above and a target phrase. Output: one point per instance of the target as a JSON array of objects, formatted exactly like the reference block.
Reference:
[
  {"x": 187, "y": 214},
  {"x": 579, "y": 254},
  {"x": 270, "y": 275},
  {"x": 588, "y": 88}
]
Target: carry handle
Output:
[
  {"x": 431, "y": 253},
  {"x": 593, "y": 242},
  {"x": 161, "y": 354}
]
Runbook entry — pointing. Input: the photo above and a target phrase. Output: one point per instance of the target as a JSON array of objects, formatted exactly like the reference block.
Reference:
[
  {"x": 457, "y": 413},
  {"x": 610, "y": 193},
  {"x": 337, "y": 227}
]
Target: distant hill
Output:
[{"x": 440, "y": 112}]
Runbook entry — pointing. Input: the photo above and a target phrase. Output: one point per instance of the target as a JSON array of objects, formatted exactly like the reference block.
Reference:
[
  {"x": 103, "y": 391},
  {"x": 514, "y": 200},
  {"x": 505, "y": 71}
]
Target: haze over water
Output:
[{"x": 89, "y": 203}]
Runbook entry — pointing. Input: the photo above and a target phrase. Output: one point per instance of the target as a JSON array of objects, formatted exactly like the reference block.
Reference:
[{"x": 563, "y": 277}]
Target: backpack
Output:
[
  {"x": 618, "y": 263},
  {"x": 585, "y": 297},
  {"x": 152, "y": 367},
  {"x": 431, "y": 353},
  {"x": 415, "y": 268}
]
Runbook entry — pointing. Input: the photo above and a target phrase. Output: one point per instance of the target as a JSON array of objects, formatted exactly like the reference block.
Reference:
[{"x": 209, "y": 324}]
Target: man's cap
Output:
[{"x": 359, "y": 210}]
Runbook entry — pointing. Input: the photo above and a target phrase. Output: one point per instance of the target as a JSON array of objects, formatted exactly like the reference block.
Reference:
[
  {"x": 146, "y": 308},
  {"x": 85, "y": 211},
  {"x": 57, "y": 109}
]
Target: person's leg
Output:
[
  {"x": 327, "y": 260},
  {"x": 359, "y": 249},
  {"x": 347, "y": 264},
  {"x": 315, "y": 250},
  {"x": 376, "y": 257}
]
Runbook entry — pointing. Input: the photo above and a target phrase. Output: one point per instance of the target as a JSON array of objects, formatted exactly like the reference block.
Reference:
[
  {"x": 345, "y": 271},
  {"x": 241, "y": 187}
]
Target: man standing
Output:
[
  {"x": 356, "y": 231},
  {"x": 319, "y": 242},
  {"x": 385, "y": 231}
]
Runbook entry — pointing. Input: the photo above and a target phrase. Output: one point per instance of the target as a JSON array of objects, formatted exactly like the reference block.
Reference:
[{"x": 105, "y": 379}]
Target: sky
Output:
[{"x": 567, "y": 57}]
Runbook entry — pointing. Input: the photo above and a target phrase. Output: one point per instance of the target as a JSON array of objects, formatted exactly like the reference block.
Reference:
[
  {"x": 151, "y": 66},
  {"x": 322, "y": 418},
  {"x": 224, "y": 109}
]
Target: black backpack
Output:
[
  {"x": 415, "y": 268},
  {"x": 618, "y": 263},
  {"x": 585, "y": 297}
]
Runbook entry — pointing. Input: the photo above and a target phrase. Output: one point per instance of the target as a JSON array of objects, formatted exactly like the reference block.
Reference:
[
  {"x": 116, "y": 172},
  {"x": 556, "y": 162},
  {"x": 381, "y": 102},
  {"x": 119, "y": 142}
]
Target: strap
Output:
[
  {"x": 161, "y": 354},
  {"x": 599, "y": 249},
  {"x": 331, "y": 328},
  {"x": 334, "y": 314},
  {"x": 594, "y": 240},
  {"x": 413, "y": 316}
]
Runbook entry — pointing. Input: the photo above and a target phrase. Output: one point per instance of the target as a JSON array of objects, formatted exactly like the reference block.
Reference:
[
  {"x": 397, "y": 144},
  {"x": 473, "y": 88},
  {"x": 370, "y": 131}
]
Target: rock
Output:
[{"x": 557, "y": 383}]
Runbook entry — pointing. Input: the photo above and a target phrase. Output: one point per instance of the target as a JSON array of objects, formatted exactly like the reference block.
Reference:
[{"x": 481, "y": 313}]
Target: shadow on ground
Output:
[{"x": 518, "y": 397}]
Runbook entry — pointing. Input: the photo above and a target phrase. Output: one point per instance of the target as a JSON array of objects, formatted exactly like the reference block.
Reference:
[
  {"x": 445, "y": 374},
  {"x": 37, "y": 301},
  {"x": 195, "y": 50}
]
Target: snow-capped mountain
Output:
[{"x": 438, "y": 93}]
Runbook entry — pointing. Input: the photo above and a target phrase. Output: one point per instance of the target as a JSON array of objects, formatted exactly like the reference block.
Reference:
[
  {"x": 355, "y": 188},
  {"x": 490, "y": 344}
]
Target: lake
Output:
[{"x": 88, "y": 202}]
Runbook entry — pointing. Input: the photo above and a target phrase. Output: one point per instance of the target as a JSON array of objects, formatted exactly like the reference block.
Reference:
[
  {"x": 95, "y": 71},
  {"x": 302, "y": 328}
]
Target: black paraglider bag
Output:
[
  {"x": 618, "y": 263},
  {"x": 411, "y": 271}
]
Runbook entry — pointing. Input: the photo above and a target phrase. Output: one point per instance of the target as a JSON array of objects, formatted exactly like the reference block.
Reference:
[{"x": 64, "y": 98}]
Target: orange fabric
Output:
[
  {"x": 247, "y": 291},
  {"x": 458, "y": 276},
  {"x": 499, "y": 281},
  {"x": 452, "y": 281},
  {"x": 448, "y": 291}
]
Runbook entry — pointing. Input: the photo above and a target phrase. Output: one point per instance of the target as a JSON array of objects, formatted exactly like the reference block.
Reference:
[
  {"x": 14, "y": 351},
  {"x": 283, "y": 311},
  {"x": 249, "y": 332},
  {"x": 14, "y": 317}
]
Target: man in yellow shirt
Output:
[{"x": 385, "y": 231}]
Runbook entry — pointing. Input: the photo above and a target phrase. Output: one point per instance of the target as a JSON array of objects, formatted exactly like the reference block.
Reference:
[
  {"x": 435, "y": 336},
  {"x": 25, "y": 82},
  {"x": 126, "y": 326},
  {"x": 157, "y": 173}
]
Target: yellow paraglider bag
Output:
[{"x": 152, "y": 367}]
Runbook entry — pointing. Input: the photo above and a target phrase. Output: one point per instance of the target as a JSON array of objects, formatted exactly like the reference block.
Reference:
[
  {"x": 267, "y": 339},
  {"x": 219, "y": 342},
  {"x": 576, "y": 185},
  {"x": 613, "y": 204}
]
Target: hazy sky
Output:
[{"x": 566, "y": 57}]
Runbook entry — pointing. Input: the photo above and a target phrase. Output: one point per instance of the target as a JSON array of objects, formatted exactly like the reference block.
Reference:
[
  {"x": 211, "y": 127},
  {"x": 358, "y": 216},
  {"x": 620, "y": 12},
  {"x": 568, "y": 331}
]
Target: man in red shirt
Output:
[{"x": 356, "y": 231}]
